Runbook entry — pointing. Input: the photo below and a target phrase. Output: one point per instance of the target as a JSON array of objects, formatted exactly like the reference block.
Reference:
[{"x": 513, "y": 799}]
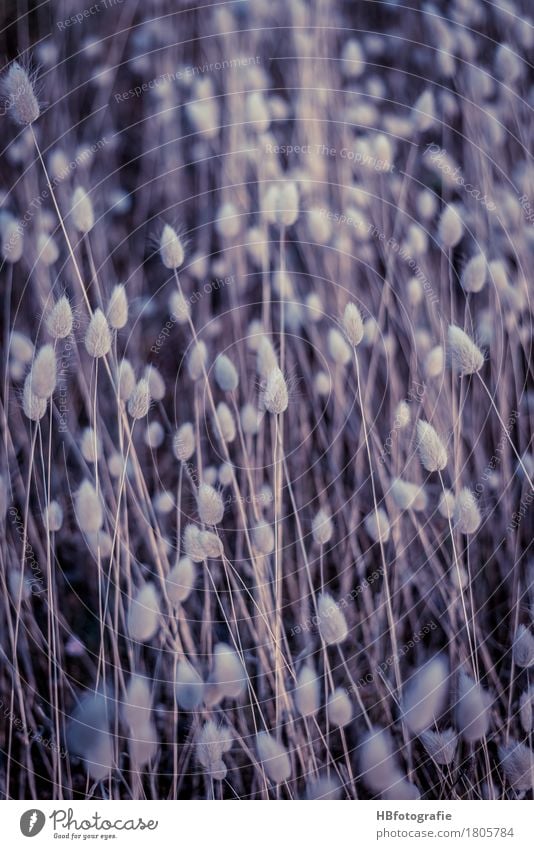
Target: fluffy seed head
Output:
[
  {"x": 377, "y": 525},
  {"x": 226, "y": 422},
  {"x": 474, "y": 274},
  {"x": 156, "y": 384},
  {"x": 212, "y": 742},
  {"x": 440, "y": 745},
  {"x": 307, "y": 692},
  {"x": 451, "y": 228},
  {"x": 432, "y": 452},
  {"x": 88, "y": 508},
  {"x": 144, "y": 614},
  {"x": 210, "y": 505},
  {"x": 126, "y": 380},
  {"x": 154, "y": 435},
  {"x": 226, "y": 374},
  {"x": 211, "y": 544},
  {"x": 33, "y": 406},
  {"x": 353, "y": 324},
  {"x": 434, "y": 362},
  {"x": 322, "y": 527},
  {"x": 137, "y": 705},
  {"x": 267, "y": 360},
  {"x": 139, "y": 401},
  {"x": 472, "y": 709},
  {"x": 179, "y": 307},
  {"x": 228, "y": 671},
  {"x": 446, "y": 504},
  {"x": 12, "y": 239},
  {"x": 281, "y": 204},
  {"x": 338, "y": 348},
  {"x": 180, "y": 581},
  {"x": 425, "y": 695},
  {"x": 523, "y": 648},
  {"x": 377, "y": 763},
  {"x": 59, "y": 319},
  {"x": 17, "y": 88},
  {"x": 193, "y": 543},
  {"x": 44, "y": 372},
  {"x": 250, "y": 419},
  {"x": 273, "y": 757},
  {"x": 183, "y": 443},
  {"x": 83, "y": 216},
  {"x": 466, "y": 357},
  {"x": 517, "y": 762},
  {"x": 53, "y": 516},
  {"x": 118, "y": 307},
  {"x": 263, "y": 538},
  {"x": 332, "y": 623},
  {"x": 402, "y": 414},
  {"x": 90, "y": 445},
  {"x": 189, "y": 686},
  {"x": 466, "y": 513},
  {"x": 339, "y": 708},
  {"x": 408, "y": 496},
  {"x": 196, "y": 361},
  {"x": 21, "y": 348},
  {"x": 170, "y": 248},
  {"x": 47, "y": 249},
  {"x": 275, "y": 397},
  {"x": 98, "y": 335},
  {"x": 526, "y": 710}
]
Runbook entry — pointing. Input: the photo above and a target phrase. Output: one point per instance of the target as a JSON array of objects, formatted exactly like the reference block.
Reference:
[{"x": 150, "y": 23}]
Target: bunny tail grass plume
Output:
[
  {"x": 451, "y": 228},
  {"x": 523, "y": 648},
  {"x": 377, "y": 525},
  {"x": 273, "y": 757},
  {"x": 307, "y": 692},
  {"x": 53, "y": 516},
  {"x": 322, "y": 527},
  {"x": 353, "y": 324},
  {"x": 408, "y": 496},
  {"x": 126, "y": 380},
  {"x": 403, "y": 415},
  {"x": 226, "y": 374},
  {"x": 472, "y": 709},
  {"x": 263, "y": 538},
  {"x": 33, "y": 406},
  {"x": 196, "y": 362},
  {"x": 332, "y": 623},
  {"x": 117, "y": 311},
  {"x": 139, "y": 400},
  {"x": 180, "y": 581},
  {"x": 156, "y": 384},
  {"x": 226, "y": 422},
  {"x": 171, "y": 249},
  {"x": 466, "y": 514},
  {"x": 82, "y": 213},
  {"x": 12, "y": 236},
  {"x": 90, "y": 445},
  {"x": 18, "y": 90},
  {"x": 275, "y": 397},
  {"x": 211, "y": 545},
  {"x": 212, "y": 742},
  {"x": 189, "y": 686},
  {"x": 137, "y": 705},
  {"x": 446, "y": 504},
  {"x": 517, "y": 762},
  {"x": 338, "y": 348},
  {"x": 88, "y": 734},
  {"x": 339, "y": 708},
  {"x": 144, "y": 614},
  {"x": 210, "y": 505},
  {"x": 98, "y": 335},
  {"x": 228, "y": 671},
  {"x": 425, "y": 695},
  {"x": 266, "y": 360},
  {"x": 526, "y": 710},
  {"x": 183, "y": 443},
  {"x": 466, "y": 358},
  {"x": 193, "y": 544},
  {"x": 180, "y": 308},
  {"x": 59, "y": 319},
  {"x": 432, "y": 452},
  {"x": 144, "y": 745},
  {"x": 377, "y": 762},
  {"x": 44, "y": 372},
  {"x": 88, "y": 508},
  {"x": 440, "y": 745},
  {"x": 474, "y": 274}
]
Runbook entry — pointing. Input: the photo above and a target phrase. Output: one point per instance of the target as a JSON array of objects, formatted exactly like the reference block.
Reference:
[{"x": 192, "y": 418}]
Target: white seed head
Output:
[
  {"x": 139, "y": 400},
  {"x": 250, "y": 419},
  {"x": 307, "y": 692},
  {"x": 472, "y": 709},
  {"x": 163, "y": 502},
  {"x": 257, "y": 111},
  {"x": 196, "y": 362},
  {"x": 332, "y": 623},
  {"x": 212, "y": 742},
  {"x": 408, "y": 496},
  {"x": 18, "y": 90},
  {"x": 402, "y": 415},
  {"x": 156, "y": 384},
  {"x": 82, "y": 211},
  {"x": 432, "y": 452},
  {"x": 353, "y": 324},
  {"x": 425, "y": 695},
  {"x": 12, "y": 239},
  {"x": 183, "y": 443},
  {"x": 98, "y": 335},
  {"x": 226, "y": 374},
  {"x": 263, "y": 538},
  {"x": 189, "y": 686},
  {"x": 193, "y": 543},
  {"x": 226, "y": 474},
  {"x": 339, "y": 708},
  {"x": 226, "y": 422},
  {"x": 526, "y": 710},
  {"x": 228, "y": 222},
  {"x": 90, "y": 445},
  {"x": 466, "y": 514},
  {"x": 322, "y": 384},
  {"x": 451, "y": 228},
  {"x": 281, "y": 204},
  {"x": 273, "y": 757},
  {"x": 377, "y": 763},
  {"x": 523, "y": 648},
  {"x": 88, "y": 508},
  {"x": 266, "y": 360},
  {"x": 47, "y": 249},
  {"x": 59, "y": 319},
  {"x": 180, "y": 581},
  {"x": 466, "y": 357},
  {"x": 44, "y": 372},
  {"x": 210, "y": 505},
  {"x": 154, "y": 435},
  {"x": 117, "y": 311},
  {"x": 434, "y": 362},
  {"x": 377, "y": 525},
  {"x": 228, "y": 671},
  {"x": 211, "y": 545},
  {"x": 322, "y": 527},
  {"x": 170, "y": 248},
  {"x": 446, "y": 504},
  {"x": 33, "y": 406},
  {"x": 144, "y": 614},
  {"x": 440, "y": 745},
  {"x": 474, "y": 274},
  {"x": 353, "y": 58},
  {"x": 53, "y": 516},
  {"x": 517, "y": 762},
  {"x": 337, "y": 347},
  {"x": 275, "y": 397},
  {"x": 21, "y": 348},
  {"x": 180, "y": 308},
  {"x": 126, "y": 380},
  {"x": 137, "y": 706}
]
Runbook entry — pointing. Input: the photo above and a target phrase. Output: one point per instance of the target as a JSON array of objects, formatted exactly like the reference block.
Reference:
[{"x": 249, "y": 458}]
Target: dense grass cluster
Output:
[{"x": 267, "y": 469}]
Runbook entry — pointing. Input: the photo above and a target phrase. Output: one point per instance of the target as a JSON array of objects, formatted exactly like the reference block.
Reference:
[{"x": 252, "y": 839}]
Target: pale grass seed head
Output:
[
  {"x": 322, "y": 527},
  {"x": 210, "y": 505},
  {"x": 228, "y": 671},
  {"x": 126, "y": 380},
  {"x": 466, "y": 357},
  {"x": 377, "y": 525},
  {"x": 226, "y": 374},
  {"x": 183, "y": 443},
  {"x": 339, "y": 708},
  {"x": 59, "y": 319},
  {"x": 98, "y": 336},
  {"x": 53, "y": 516},
  {"x": 170, "y": 248},
  {"x": 88, "y": 508},
  {"x": 275, "y": 396},
  {"x": 189, "y": 685},
  {"x": 33, "y": 406},
  {"x": 432, "y": 451},
  {"x": 117, "y": 311},
  {"x": 18, "y": 89},
  {"x": 44, "y": 372},
  {"x": 273, "y": 757},
  {"x": 83, "y": 216},
  {"x": 139, "y": 400},
  {"x": 144, "y": 614},
  {"x": 180, "y": 581},
  {"x": 332, "y": 623},
  {"x": 523, "y": 648},
  {"x": 472, "y": 709},
  {"x": 307, "y": 692},
  {"x": 226, "y": 422},
  {"x": 466, "y": 513}
]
